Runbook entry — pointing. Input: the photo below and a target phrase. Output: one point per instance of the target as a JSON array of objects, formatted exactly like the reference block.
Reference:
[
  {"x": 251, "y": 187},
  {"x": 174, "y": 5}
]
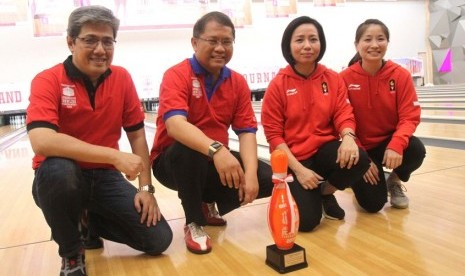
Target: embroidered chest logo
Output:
[
  {"x": 68, "y": 98},
  {"x": 291, "y": 92},
  {"x": 196, "y": 89},
  {"x": 324, "y": 88},
  {"x": 353, "y": 87},
  {"x": 392, "y": 86}
]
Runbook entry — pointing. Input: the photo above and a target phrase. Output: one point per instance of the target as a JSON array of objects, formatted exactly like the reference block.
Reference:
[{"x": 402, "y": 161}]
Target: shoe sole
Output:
[
  {"x": 199, "y": 252},
  {"x": 399, "y": 206},
  {"x": 330, "y": 217}
]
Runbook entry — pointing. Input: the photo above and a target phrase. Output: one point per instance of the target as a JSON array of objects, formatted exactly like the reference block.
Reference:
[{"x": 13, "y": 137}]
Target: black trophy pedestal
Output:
[{"x": 285, "y": 261}]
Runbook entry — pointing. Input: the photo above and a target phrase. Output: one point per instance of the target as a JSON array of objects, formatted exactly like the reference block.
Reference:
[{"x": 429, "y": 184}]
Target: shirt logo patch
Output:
[
  {"x": 291, "y": 92},
  {"x": 196, "y": 89},
  {"x": 68, "y": 98},
  {"x": 392, "y": 86},
  {"x": 354, "y": 86},
  {"x": 324, "y": 88}
]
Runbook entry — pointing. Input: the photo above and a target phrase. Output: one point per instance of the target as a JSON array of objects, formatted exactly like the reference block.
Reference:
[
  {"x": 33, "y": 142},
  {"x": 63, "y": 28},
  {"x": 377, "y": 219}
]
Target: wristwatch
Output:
[
  {"x": 214, "y": 147},
  {"x": 147, "y": 188}
]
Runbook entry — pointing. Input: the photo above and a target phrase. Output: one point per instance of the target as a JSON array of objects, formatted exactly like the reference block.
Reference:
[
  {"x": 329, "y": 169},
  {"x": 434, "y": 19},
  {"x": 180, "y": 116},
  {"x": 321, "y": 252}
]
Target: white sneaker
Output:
[
  {"x": 197, "y": 241},
  {"x": 398, "y": 198}
]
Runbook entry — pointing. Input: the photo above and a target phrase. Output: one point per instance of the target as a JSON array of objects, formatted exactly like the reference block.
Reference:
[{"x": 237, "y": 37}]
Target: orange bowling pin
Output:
[{"x": 283, "y": 214}]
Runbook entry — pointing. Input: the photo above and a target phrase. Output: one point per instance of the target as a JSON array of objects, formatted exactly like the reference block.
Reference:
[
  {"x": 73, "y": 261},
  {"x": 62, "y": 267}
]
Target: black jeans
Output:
[
  {"x": 373, "y": 197},
  {"x": 323, "y": 162},
  {"x": 62, "y": 190},
  {"x": 195, "y": 178}
]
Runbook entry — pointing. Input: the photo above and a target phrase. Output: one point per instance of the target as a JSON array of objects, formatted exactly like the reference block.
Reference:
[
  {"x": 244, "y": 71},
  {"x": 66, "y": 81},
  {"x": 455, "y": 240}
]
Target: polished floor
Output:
[{"x": 426, "y": 239}]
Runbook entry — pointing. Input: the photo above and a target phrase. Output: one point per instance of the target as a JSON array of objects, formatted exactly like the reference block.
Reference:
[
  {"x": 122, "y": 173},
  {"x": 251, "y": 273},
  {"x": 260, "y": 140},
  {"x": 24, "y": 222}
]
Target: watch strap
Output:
[{"x": 147, "y": 188}]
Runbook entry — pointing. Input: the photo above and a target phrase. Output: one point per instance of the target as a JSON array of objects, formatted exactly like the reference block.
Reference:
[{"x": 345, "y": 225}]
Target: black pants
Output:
[
  {"x": 324, "y": 164},
  {"x": 373, "y": 197},
  {"x": 63, "y": 190},
  {"x": 195, "y": 178}
]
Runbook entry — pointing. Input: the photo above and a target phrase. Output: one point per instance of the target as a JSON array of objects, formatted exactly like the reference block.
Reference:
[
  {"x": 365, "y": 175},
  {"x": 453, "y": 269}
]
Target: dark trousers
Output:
[
  {"x": 373, "y": 197},
  {"x": 195, "y": 178},
  {"x": 324, "y": 163},
  {"x": 63, "y": 190}
]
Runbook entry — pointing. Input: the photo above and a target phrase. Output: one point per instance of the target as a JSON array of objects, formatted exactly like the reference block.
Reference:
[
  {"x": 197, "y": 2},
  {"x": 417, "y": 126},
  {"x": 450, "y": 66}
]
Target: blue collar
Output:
[{"x": 210, "y": 87}]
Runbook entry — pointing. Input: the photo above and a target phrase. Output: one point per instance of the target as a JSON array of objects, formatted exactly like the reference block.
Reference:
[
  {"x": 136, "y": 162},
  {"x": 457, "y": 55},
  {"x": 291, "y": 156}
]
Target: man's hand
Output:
[
  {"x": 129, "y": 164},
  {"x": 248, "y": 191},
  {"x": 229, "y": 168},
  {"x": 147, "y": 206}
]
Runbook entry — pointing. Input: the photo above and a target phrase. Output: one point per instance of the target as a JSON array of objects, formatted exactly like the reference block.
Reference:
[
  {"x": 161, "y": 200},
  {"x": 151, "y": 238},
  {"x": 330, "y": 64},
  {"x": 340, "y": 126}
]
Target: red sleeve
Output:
[
  {"x": 343, "y": 116},
  {"x": 272, "y": 116},
  {"x": 409, "y": 112},
  {"x": 244, "y": 118},
  {"x": 45, "y": 98},
  {"x": 174, "y": 91},
  {"x": 133, "y": 112}
]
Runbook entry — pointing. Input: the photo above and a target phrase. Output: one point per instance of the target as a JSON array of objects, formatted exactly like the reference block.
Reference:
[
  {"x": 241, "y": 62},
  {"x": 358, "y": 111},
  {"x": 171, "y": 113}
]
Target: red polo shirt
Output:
[
  {"x": 61, "y": 100},
  {"x": 183, "y": 91}
]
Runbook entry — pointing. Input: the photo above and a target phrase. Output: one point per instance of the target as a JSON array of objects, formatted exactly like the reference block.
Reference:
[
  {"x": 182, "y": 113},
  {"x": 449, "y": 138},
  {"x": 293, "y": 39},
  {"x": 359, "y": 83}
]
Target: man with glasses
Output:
[
  {"x": 76, "y": 112},
  {"x": 200, "y": 99}
]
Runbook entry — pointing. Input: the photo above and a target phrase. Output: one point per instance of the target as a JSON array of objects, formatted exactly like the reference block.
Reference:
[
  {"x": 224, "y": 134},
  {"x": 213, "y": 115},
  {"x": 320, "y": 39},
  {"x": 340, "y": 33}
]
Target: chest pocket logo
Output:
[
  {"x": 196, "y": 89},
  {"x": 68, "y": 97}
]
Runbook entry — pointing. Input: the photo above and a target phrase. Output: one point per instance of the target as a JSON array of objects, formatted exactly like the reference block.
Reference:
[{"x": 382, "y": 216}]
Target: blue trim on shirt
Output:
[
  {"x": 174, "y": 112},
  {"x": 199, "y": 70},
  {"x": 245, "y": 130}
]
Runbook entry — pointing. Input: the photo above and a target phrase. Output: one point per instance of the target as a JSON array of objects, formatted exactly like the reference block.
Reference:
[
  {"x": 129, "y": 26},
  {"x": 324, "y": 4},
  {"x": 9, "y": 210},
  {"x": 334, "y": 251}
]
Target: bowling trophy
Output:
[{"x": 283, "y": 220}]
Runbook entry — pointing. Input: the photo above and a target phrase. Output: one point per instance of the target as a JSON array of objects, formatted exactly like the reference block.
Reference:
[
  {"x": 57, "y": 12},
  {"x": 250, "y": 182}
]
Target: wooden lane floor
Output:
[
  {"x": 426, "y": 239},
  {"x": 7, "y": 129}
]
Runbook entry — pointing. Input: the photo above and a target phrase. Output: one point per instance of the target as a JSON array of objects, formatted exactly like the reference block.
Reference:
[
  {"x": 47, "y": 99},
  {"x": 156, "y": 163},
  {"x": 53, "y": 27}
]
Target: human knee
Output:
[
  {"x": 372, "y": 207},
  {"x": 158, "y": 240},
  {"x": 61, "y": 173}
]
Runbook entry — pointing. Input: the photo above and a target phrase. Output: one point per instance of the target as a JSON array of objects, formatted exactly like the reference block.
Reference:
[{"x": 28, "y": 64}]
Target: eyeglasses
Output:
[
  {"x": 227, "y": 43},
  {"x": 91, "y": 42}
]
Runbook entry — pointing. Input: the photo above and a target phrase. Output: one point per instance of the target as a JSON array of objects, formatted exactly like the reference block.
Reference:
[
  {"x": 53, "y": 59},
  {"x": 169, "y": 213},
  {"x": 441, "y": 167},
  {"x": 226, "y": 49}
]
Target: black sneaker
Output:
[
  {"x": 75, "y": 266},
  {"x": 331, "y": 209}
]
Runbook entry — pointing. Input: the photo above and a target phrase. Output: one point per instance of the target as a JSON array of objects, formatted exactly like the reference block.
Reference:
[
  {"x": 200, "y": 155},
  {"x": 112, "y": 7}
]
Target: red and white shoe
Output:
[
  {"x": 197, "y": 240},
  {"x": 211, "y": 214}
]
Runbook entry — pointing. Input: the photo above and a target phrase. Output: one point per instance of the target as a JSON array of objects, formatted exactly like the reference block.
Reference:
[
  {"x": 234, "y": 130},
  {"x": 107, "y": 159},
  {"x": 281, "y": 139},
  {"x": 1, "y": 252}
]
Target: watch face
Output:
[
  {"x": 147, "y": 188},
  {"x": 214, "y": 147}
]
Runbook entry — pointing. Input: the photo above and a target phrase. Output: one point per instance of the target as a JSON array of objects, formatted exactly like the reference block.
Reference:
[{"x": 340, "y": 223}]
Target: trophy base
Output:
[{"x": 285, "y": 261}]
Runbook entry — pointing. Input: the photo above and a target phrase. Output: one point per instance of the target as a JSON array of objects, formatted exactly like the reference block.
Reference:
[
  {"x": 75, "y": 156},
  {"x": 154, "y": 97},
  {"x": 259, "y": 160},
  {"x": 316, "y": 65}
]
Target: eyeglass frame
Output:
[
  {"x": 96, "y": 40},
  {"x": 216, "y": 42}
]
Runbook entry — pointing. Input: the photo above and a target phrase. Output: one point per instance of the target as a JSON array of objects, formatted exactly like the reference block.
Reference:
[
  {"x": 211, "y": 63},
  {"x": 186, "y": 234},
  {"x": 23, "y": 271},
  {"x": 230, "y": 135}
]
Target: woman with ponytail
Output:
[{"x": 387, "y": 114}]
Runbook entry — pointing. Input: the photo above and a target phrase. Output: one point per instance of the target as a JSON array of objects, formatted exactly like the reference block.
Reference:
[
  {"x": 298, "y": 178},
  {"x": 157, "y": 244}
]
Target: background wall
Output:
[
  {"x": 447, "y": 40},
  {"x": 147, "y": 54}
]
